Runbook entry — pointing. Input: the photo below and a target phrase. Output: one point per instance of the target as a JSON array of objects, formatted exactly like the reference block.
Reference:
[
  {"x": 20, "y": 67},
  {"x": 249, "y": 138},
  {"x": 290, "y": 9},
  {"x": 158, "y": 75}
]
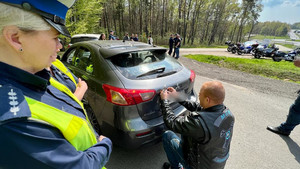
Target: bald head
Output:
[{"x": 214, "y": 90}]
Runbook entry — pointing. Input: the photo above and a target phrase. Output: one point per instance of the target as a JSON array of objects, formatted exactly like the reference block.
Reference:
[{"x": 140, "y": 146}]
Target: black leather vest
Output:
[{"x": 214, "y": 151}]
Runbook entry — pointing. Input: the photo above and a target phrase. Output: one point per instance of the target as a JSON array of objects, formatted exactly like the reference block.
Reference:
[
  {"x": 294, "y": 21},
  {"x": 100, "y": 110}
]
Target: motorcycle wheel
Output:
[
  {"x": 239, "y": 52},
  {"x": 276, "y": 59},
  {"x": 233, "y": 51},
  {"x": 259, "y": 56},
  {"x": 228, "y": 49}
]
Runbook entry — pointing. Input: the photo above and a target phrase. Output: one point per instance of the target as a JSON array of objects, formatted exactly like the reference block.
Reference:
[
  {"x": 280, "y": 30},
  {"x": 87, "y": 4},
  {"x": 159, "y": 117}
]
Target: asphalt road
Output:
[
  {"x": 256, "y": 102},
  {"x": 293, "y": 35}
]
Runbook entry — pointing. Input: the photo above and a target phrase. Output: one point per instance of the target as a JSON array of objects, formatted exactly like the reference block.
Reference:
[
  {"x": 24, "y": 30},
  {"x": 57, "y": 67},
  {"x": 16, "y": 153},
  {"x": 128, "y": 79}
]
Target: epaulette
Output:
[{"x": 13, "y": 104}]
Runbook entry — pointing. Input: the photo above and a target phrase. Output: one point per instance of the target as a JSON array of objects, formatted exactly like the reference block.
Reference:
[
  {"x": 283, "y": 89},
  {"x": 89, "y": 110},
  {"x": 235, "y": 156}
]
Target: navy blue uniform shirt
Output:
[
  {"x": 25, "y": 143},
  {"x": 63, "y": 78}
]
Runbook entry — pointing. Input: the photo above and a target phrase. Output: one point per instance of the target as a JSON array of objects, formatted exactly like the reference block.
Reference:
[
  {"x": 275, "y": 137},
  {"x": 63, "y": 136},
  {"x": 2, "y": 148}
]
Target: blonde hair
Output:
[{"x": 13, "y": 16}]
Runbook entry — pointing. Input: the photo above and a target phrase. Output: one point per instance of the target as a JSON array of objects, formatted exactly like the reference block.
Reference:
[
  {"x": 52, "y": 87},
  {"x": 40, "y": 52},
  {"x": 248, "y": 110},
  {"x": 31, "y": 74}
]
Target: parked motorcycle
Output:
[
  {"x": 267, "y": 52},
  {"x": 230, "y": 45},
  {"x": 235, "y": 47},
  {"x": 279, "y": 55},
  {"x": 246, "y": 49}
]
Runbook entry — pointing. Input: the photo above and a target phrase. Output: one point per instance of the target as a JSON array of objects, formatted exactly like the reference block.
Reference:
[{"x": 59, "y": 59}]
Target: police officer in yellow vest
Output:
[
  {"x": 63, "y": 75},
  {"x": 41, "y": 125}
]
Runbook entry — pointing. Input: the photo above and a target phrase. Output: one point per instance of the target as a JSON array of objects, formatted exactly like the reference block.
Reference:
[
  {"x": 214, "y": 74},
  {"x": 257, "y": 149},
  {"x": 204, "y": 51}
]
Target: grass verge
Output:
[
  {"x": 287, "y": 45},
  {"x": 261, "y": 37},
  {"x": 264, "y": 67}
]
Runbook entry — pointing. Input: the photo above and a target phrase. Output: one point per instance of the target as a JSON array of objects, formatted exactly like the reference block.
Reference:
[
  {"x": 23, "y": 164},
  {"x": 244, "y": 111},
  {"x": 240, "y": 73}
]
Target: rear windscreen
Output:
[{"x": 145, "y": 64}]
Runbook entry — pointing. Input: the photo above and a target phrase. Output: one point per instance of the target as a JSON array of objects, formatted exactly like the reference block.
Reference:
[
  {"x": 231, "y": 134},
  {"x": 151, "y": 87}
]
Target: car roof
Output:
[
  {"x": 86, "y": 35},
  {"x": 110, "y": 48}
]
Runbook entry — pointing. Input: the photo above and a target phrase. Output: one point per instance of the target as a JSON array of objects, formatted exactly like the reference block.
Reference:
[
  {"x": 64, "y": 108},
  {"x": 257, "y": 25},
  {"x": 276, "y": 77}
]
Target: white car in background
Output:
[{"x": 83, "y": 37}]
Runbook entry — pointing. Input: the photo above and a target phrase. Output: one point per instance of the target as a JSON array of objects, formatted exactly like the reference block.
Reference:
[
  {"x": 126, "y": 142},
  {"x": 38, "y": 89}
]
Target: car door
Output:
[{"x": 81, "y": 60}]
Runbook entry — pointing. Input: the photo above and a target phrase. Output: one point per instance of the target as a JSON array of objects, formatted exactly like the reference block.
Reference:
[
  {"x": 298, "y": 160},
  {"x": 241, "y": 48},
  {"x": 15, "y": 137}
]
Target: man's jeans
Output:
[
  {"x": 293, "y": 118},
  {"x": 177, "y": 53},
  {"x": 173, "y": 148}
]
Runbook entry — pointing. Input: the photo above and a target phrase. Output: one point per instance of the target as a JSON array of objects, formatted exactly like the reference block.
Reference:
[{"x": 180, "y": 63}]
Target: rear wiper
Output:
[
  {"x": 151, "y": 72},
  {"x": 166, "y": 74}
]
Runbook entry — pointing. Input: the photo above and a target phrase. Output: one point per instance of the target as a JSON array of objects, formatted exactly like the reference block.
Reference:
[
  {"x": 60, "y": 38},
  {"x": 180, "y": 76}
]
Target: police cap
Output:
[{"x": 52, "y": 11}]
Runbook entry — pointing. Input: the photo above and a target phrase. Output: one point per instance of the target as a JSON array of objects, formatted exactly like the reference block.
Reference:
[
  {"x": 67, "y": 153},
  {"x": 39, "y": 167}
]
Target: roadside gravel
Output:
[{"x": 255, "y": 82}]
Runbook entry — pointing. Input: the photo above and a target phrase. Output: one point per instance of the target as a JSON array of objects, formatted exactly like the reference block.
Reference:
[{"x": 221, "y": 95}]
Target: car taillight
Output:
[
  {"x": 192, "y": 76},
  {"x": 126, "y": 97}
]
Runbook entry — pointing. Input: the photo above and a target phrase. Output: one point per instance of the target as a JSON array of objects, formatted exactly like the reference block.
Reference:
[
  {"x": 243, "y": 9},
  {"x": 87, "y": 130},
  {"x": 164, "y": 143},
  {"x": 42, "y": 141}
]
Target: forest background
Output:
[{"x": 199, "y": 22}]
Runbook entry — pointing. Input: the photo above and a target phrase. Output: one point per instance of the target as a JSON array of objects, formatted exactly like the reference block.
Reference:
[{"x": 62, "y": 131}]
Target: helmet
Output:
[{"x": 52, "y": 11}]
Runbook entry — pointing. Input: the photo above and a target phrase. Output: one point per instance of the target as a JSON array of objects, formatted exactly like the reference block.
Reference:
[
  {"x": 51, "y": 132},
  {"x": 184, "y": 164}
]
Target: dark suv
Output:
[{"x": 124, "y": 80}]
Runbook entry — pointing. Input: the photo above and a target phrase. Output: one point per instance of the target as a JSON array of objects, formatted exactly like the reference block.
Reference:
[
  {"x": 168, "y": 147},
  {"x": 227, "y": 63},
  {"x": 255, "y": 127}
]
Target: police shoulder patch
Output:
[{"x": 13, "y": 103}]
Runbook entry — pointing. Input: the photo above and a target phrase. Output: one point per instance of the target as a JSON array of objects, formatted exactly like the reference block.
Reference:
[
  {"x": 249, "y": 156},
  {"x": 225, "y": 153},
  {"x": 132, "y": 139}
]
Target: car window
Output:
[
  {"x": 134, "y": 64},
  {"x": 81, "y": 60},
  {"x": 70, "y": 56}
]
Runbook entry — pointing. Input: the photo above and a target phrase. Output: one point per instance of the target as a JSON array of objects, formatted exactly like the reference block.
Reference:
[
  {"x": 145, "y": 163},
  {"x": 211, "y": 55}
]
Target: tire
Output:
[
  {"x": 229, "y": 49},
  {"x": 233, "y": 51},
  {"x": 239, "y": 52},
  {"x": 257, "y": 55},
  {"x": 92, "y": 117},
  {"x": 276, "y": 59}
]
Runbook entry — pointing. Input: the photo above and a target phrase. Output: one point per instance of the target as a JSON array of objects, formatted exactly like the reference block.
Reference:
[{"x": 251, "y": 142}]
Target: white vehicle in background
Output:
[{"x": 83, "y": 37}]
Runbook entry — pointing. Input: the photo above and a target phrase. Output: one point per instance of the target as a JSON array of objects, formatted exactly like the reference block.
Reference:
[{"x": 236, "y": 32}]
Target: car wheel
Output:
[{"x": 92, "y": 117}]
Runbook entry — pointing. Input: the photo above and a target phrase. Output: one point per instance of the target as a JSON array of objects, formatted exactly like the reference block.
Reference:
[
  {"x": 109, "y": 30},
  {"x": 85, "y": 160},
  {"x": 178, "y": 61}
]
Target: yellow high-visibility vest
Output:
[
  {"x": 75, "y": 129},
  {"x": 57, "y": 63}
]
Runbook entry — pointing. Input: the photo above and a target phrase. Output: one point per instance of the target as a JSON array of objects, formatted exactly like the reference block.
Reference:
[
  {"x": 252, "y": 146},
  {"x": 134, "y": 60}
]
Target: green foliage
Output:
[
  {"x": 272, "y": 28},
  {"x": 269, "y": 37},
  {"x": 296, "y": 25},
  {"x": 84, "y": 17},
  {"x": 265, "y": 67}
]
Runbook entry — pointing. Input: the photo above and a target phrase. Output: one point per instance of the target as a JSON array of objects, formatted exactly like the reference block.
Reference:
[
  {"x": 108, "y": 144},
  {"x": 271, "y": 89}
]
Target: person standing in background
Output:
[
  {"x": 177, "y": 44},
  {"x": 171, "y": 44},
  {"x": 111, "y": 36},
  {"x": 293, "y": 118},
  {"x": 132, "y": 37},
  {"x": 150, "y": 40},
  {"x": 102, "y": 36},
  {"x": 126, "y": 37},
  {"x": 136, "y": 37}
]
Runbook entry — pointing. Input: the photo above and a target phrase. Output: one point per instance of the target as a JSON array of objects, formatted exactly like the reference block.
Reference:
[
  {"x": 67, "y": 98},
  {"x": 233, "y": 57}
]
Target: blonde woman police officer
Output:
[{"x": 40, "y": 125}]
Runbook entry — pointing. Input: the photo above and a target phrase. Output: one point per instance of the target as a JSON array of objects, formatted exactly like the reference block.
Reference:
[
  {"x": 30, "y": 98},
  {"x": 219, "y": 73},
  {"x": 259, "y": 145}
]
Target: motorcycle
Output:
[
  {"x": 235, "y": 47},
  {"x": 230, "y": 45},
  {"x": 279, "y": 55},
  {"x": 265, "y": 52},
  {"x": 246, "y": 49}
]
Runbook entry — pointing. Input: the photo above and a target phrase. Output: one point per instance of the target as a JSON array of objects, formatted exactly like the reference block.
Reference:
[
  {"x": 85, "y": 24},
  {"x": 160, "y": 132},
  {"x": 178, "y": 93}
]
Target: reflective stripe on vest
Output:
[
  {"x": 68, "y": 92},
  {"x": 75, "y": 129},
  {"x": 57, "y": 63}
]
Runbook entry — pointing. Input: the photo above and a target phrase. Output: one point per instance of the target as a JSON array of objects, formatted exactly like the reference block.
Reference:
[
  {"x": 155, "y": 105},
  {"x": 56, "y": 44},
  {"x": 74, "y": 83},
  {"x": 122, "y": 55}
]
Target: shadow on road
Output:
[
  {"x": 142, "y": 158},
  {"x": 293, "y": 147}
]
